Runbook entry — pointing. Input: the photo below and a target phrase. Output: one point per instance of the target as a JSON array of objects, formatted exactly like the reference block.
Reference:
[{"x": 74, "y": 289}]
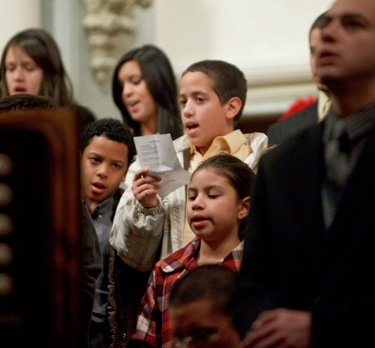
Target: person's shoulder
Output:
[
  {"x": 308, "y": 115},
  {"x": 257, "y": 140},
  {"x": 181, "y": 143},
  {"x": 281, "y": 130},
  {"x": 297, "y": 143},
  {"x": 255, "y": 136}
]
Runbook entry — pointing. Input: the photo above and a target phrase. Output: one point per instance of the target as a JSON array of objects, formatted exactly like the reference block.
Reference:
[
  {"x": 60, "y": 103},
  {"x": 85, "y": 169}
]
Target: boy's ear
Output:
[
  {"x": 234, "y": 105},
  {"x": 244, "y": 208}
]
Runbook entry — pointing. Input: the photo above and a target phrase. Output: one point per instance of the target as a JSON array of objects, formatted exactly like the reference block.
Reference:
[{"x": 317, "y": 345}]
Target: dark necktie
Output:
[
  {"x": 337, "y": 157},
  {"x": 338, "y": 169}
]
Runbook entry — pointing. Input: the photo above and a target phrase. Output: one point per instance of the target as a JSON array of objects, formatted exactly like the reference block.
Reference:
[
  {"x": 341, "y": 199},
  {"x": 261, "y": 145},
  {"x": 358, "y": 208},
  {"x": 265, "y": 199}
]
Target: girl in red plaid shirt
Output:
[{"x": 218, "y": 202}]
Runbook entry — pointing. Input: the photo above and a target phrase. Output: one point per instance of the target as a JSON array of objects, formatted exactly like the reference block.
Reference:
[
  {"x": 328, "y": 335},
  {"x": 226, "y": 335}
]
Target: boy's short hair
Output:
[
  {"x": 213, "y": 282},
  {"x": 317, "y": 23},
  {"x": 227, "y": 80},
  {"x": 112, "y": 129}
]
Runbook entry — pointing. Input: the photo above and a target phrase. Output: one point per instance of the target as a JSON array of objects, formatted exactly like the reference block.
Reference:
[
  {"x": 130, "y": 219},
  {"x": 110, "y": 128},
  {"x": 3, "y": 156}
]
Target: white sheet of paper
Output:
[{"x": 157, "y": 153}]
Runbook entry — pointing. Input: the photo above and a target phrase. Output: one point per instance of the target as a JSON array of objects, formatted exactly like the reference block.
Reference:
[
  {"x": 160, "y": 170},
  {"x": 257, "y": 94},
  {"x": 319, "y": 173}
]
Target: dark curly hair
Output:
[
  {"x": 112, "y": 129},
  {"x": 26, "y": 101}
]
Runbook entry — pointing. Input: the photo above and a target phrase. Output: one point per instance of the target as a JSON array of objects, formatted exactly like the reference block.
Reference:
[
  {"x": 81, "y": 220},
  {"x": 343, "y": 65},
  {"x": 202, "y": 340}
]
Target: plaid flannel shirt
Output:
[{"x": 154, "y": 325}]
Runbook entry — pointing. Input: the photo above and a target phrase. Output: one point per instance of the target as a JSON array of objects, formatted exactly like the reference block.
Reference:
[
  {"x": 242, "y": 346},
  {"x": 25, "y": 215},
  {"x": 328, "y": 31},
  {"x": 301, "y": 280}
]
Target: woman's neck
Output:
[{"x": 149, "y": 128}]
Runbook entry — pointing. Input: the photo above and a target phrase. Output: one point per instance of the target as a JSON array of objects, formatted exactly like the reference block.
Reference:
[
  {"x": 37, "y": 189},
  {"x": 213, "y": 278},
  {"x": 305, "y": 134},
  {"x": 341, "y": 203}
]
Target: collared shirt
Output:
[
  {"x": 233, "y": 143},
  {"x": 324, "y": 105},
  {"x": 356, "y": 125},
  {"x": 154, "y": 325},
  {"x": 102, "y": 219}
]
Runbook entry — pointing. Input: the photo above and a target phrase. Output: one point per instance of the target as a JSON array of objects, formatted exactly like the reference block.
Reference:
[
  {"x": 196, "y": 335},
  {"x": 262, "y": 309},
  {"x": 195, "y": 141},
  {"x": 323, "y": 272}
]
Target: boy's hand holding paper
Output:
[{"x": 157, "y": 153}]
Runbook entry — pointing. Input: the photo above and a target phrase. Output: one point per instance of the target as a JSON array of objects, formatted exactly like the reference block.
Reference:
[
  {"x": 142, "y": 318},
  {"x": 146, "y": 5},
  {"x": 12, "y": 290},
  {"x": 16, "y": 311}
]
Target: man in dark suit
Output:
[
  {"x": 307, "y": 278},
  {"x": 310, "y": 115}
]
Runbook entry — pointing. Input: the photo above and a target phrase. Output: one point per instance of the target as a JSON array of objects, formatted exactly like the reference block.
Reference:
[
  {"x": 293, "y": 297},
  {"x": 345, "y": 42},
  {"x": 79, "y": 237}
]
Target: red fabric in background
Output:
[{"x": 298, "y": 105}]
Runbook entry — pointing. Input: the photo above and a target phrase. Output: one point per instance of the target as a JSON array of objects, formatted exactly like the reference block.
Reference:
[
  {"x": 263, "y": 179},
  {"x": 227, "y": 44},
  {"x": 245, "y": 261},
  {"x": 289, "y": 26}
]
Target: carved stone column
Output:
[{"x": 109, "y": 24}]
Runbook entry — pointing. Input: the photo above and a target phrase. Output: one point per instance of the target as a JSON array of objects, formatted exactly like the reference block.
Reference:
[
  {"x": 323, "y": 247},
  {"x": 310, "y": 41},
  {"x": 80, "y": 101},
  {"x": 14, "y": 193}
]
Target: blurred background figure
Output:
[
  {"x": 144, "y": 89},
  {"x": 304, "y": 112},
  {"x": 31, "y": 63},
  {"x": 199, "y": 308}
]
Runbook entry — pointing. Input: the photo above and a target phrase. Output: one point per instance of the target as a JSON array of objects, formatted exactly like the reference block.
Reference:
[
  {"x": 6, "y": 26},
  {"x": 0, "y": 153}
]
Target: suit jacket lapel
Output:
[
  {"x": 306, "y": 192},
  {"x": 310, "y": 177},
  {"x": 360, "y": 188}
]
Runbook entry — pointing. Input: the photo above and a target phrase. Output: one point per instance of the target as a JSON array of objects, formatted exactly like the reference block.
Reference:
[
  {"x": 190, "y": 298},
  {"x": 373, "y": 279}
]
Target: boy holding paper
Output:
[
  {"x": 147, "y": 227},
  {"x": 212, "y": 96}
]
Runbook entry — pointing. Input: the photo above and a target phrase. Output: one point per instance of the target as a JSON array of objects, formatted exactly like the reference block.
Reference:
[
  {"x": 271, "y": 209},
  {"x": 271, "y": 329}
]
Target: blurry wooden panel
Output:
[{"x": 39, "y": 229}]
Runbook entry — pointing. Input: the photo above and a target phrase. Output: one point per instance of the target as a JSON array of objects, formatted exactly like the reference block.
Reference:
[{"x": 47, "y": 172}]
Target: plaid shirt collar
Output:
[{"x": 185, "y": 258}]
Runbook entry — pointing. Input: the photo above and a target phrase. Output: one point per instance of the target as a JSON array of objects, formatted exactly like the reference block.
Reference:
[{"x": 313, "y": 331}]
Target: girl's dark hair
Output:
[
  {"x": 43, "y": 49},
  {"x": 160, "y": 80},
  {"x": 237, "y": 173}
]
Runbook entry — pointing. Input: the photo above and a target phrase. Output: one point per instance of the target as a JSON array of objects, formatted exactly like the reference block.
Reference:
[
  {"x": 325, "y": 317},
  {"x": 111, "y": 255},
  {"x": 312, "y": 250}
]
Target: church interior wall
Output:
[{"x": 267, "y": 39}]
